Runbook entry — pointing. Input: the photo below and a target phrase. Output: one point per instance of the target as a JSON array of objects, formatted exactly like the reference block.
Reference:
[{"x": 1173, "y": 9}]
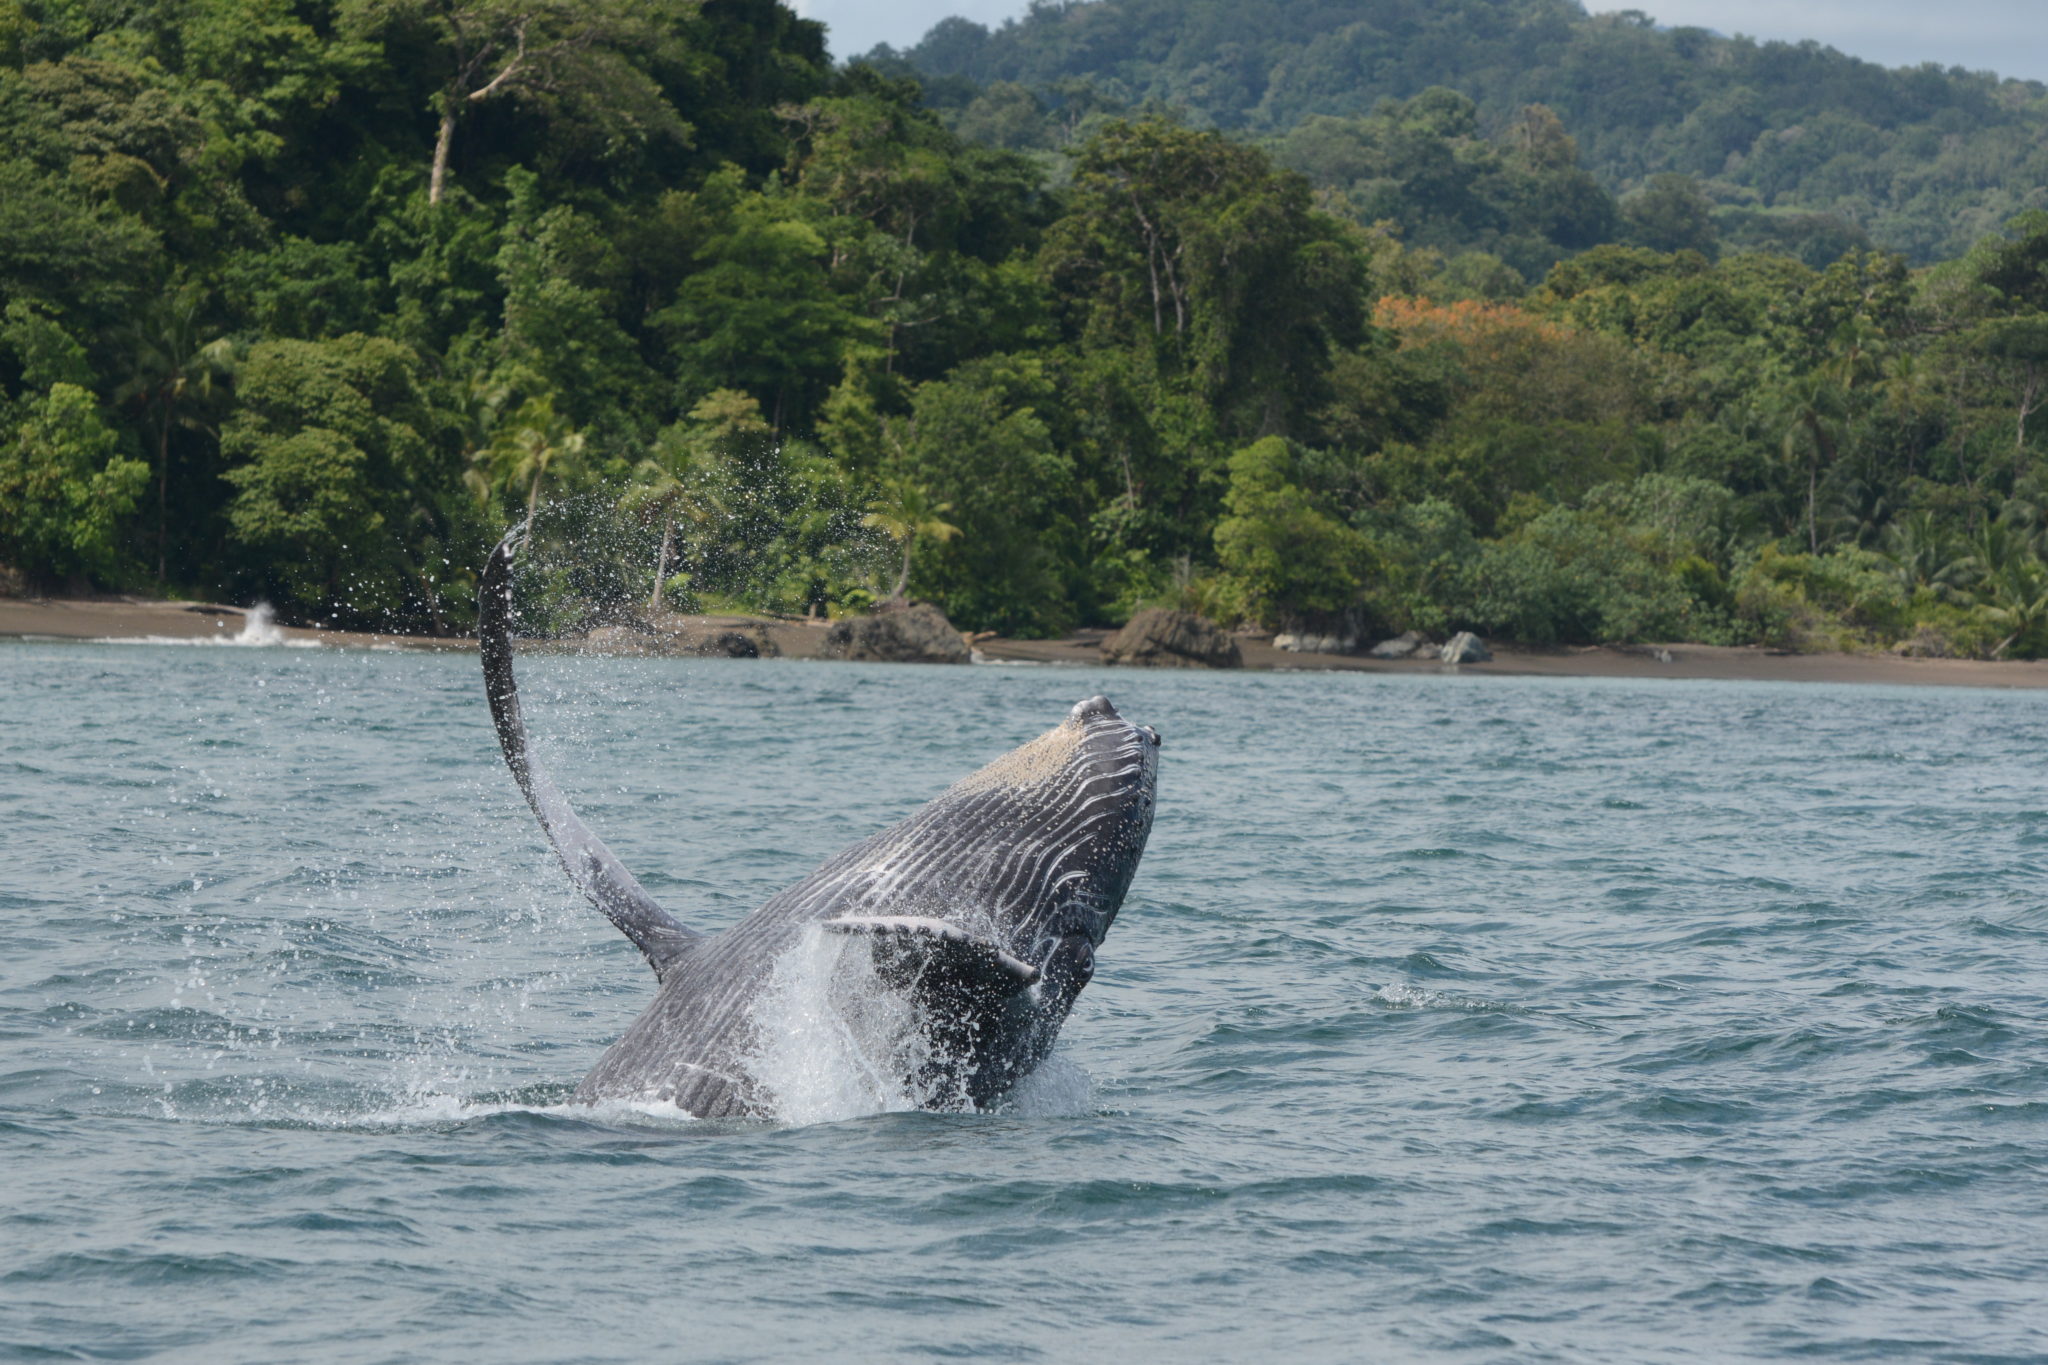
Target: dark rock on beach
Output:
[
  {"x": 733, "y": 644},
  {"x": 1161, "y": 638},
  {"x": 685, "y": 636},
  {"x": 914, "y": 634}
]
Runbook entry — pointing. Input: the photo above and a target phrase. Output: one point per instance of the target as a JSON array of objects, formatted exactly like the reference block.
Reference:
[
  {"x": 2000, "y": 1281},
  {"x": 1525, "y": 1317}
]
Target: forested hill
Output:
[
  {"x": 1925, "y": 160},
  {"x": 309, "y": 300}
]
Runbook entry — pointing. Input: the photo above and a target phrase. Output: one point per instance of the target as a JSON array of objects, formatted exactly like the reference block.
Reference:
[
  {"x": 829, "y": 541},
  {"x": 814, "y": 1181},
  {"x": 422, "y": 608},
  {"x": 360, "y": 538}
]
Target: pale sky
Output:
[{"x": 2006, "y": 36}]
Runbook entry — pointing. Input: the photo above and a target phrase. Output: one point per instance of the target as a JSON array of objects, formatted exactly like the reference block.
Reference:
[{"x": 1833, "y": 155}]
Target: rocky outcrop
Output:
[
  {"x": 1302, "y": 643},
  {"x": 1466, "y": 648},
  {"x": 743, "y": 642},
  {"x": 1409, "y": 644},
  {"x": 669, "y": 636},
  {"x": 1161, "y": 638},
  {"x": 914, "y": 634}
]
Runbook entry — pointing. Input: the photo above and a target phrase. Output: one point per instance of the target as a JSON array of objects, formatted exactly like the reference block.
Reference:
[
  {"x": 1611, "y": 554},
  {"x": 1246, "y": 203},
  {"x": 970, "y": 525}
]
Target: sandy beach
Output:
[
  {"x": 145, "y": 619},
  {"x": 1597, "y": 661},
  {"x": 128, "y": 618}
]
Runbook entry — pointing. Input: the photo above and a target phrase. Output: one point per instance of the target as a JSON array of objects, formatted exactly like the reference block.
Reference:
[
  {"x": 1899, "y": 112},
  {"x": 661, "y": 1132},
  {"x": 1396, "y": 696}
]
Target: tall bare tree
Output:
[{"x": 530, "y": 49}]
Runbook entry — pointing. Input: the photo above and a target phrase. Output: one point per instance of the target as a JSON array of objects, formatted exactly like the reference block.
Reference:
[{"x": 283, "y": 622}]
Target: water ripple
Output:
[{"x": 1450, "y": 1019}]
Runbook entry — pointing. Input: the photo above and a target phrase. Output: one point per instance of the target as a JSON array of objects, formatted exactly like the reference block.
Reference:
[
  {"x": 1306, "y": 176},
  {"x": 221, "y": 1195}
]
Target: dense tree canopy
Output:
[
  {"x": 1797, "y": 146},
  {"x": 308, "y": 299}
]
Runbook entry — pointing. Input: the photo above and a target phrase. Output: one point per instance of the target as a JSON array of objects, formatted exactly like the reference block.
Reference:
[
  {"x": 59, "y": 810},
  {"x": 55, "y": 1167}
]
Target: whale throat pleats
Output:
[{"x": 661, "y": 938}]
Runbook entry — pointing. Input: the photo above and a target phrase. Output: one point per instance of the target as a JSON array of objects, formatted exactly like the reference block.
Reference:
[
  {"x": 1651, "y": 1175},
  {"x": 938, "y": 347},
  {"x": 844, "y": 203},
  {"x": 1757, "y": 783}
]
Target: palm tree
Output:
[
  {"x": 477, "y": 404},
  {"x": 523, "y": 450},
  {"x": 2019, "y": 600},
  {"x": 175, "y": 367},
  {"x": 659, "y": 490},
  {"x": 905, "y": 512},
  {"x": 1818, "y": 406},
  {"x": 1813, "y": 417},
  {"x": 1999, "y": 548},
  {"x": 1907, "y": 390},
  {"x": 1924, "y": 554}
]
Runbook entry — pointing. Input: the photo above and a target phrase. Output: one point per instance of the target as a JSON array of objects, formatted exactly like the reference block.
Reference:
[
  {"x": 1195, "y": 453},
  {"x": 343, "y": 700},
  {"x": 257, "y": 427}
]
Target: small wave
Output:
[
  {"x": 1058, "y": 1088},
  {"x": 433, "y": 1111},
  {"x": 259, "y": 631},
  {"x": 429, "y": 1111},
  {"x": 1405, "y": 997},
  {"x": 975, "y": 656}
]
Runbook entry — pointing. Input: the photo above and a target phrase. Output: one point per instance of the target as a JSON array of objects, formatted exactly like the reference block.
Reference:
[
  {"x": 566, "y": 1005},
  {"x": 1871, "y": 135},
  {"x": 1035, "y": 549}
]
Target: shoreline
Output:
[
  {"x": 145, "y": 620},
  {"x": 1731, "y": 663}
]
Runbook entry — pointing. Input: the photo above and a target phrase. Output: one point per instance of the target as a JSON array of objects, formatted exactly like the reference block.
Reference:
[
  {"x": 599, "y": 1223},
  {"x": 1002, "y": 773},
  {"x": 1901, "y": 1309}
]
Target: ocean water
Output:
[{"x": 1451, "y": 1018}]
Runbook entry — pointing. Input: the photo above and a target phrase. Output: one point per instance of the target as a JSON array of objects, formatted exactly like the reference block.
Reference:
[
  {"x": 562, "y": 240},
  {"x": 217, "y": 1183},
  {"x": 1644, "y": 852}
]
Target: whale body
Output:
[{"x": 982, "y": 911}]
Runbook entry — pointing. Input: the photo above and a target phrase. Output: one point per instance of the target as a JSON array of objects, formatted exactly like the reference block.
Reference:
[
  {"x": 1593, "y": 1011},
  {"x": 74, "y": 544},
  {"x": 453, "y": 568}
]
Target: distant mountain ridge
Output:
[{"x": 1926, "y": 160}]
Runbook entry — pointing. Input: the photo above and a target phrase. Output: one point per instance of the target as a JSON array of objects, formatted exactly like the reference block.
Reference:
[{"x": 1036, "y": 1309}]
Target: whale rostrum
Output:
[{"x": 982, "y": 910}]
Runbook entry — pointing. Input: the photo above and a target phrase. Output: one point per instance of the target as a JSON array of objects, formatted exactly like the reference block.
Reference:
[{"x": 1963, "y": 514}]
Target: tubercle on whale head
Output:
[
  {"x": 1098, "y": 708},
  {"x": 1112, "y": 742},
  {"x": 1112, "y": 747},
  {"x": 1118, "y": 762}
]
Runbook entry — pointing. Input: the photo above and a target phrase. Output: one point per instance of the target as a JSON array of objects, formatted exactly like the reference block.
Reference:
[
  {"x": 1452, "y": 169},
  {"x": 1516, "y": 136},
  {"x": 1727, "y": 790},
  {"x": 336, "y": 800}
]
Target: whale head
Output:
[
  {"x": 1059, "y": 825},
  {"x": 985, "y": 908}
]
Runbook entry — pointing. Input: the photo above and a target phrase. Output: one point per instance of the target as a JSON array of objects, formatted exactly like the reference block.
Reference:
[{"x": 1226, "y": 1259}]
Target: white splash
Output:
[
  {"x": 259, "y": 628},
  {"x": 833, "y": 1041},
  {"x": 1401, "y": 996},
  {"x": 1405, "y": 997},
  {"x": 259, "y": 631}
]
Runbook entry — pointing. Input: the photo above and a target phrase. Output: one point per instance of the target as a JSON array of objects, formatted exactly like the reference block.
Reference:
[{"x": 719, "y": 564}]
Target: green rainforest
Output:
[{"x": 1353, "y": 316}]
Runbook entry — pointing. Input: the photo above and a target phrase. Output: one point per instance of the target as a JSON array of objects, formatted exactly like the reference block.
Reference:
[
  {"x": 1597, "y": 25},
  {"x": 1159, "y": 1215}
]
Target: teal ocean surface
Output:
[{"x": 1450, "y": 1018}]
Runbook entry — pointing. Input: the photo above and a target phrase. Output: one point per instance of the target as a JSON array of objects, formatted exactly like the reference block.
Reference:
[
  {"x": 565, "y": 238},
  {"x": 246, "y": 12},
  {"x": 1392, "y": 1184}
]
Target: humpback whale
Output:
[{"x": 982, "y": 911}]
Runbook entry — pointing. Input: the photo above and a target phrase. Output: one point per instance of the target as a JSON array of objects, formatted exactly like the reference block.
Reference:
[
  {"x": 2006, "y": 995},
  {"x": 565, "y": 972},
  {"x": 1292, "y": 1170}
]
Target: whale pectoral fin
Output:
[
  {"x": 659, "y": 936},
  {"x": 940, "y": 953},
  {"x": 600, "y": 876}
]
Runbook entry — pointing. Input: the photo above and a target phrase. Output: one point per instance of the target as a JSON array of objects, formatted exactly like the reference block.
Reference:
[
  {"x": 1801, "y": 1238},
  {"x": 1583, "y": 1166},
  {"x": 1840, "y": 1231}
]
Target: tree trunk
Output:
[
  {"x": 903, "y": 574},
  {"x": 668, "y": 530},
  {"x": 1823, "y": 449},
  {"x": 2030, "y": 395},
  {"x": 432, "y": 597},
  {"x": 1812, "y": 485},
  {"x": 439, "y": 176},
  {"x": 1152, "y": 252},
  {"x": 163, "y": 486}
]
